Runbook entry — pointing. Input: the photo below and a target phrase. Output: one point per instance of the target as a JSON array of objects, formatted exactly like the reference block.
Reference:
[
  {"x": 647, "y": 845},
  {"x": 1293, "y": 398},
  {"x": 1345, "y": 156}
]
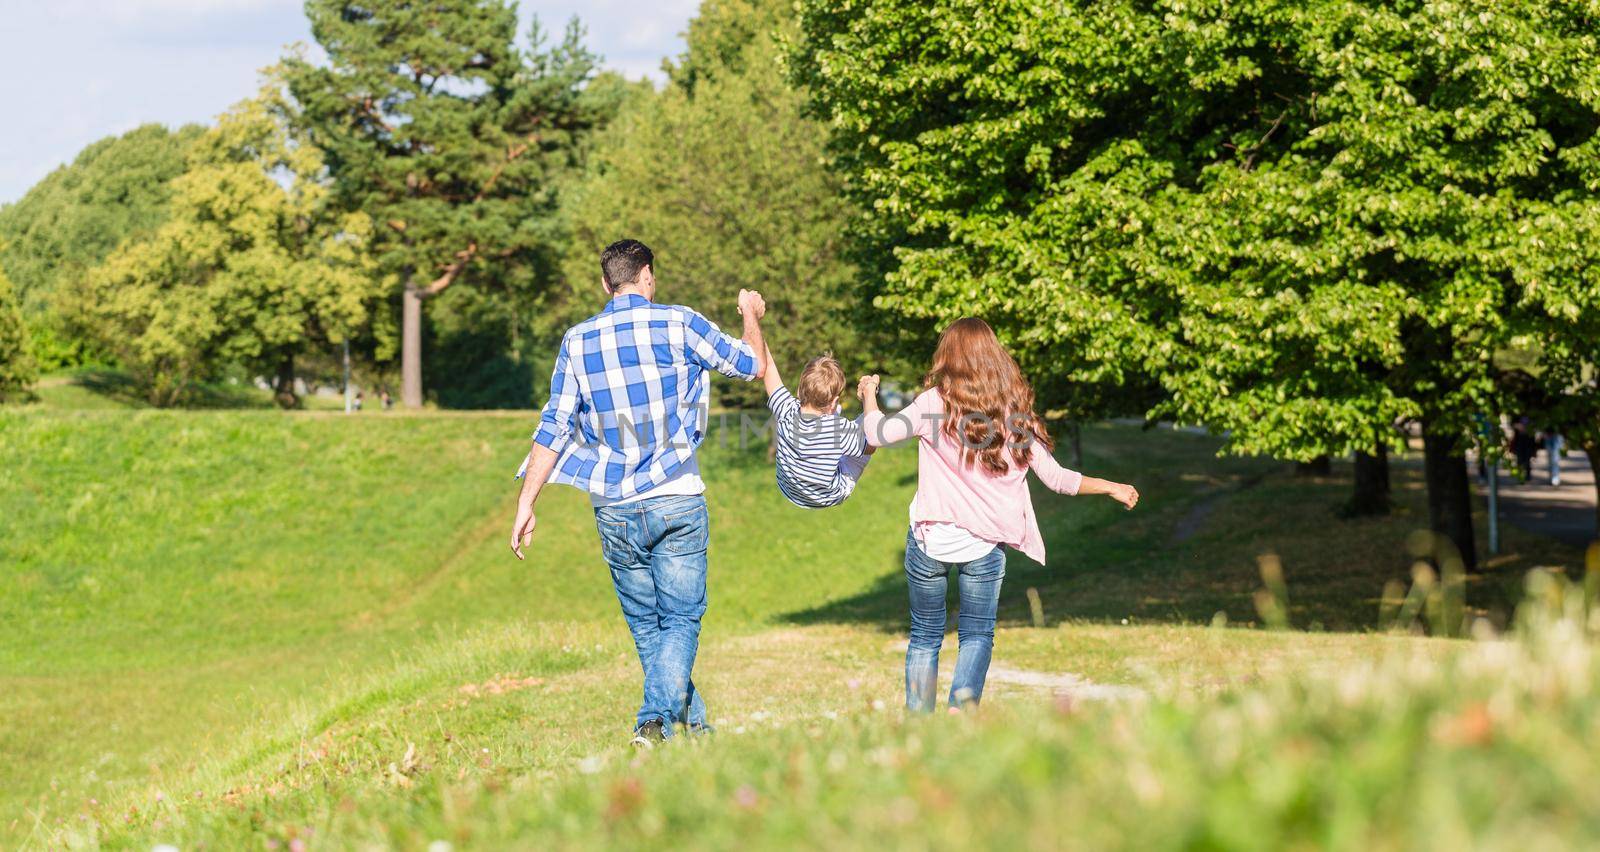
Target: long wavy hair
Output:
[{"x": 988, "y": 405}]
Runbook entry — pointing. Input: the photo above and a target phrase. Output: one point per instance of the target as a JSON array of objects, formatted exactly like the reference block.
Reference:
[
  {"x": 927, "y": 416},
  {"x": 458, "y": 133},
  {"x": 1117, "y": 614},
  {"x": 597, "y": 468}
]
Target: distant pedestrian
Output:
[
  {"x": 358, "y": 401},
  {"x": 388, "y": 401},
  {"x": 1523, "y": 447},
  {"x": 1552, "y": 449}
]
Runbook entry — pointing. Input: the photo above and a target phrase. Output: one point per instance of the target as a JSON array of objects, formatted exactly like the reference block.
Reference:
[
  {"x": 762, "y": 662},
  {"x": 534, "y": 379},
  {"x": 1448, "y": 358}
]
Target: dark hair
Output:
[{"x": 621, "y": 261}]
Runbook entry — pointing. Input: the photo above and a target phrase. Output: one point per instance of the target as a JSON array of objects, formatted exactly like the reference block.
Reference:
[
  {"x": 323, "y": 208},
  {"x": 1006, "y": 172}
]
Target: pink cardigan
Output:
[{"x": 994, "y": 508}]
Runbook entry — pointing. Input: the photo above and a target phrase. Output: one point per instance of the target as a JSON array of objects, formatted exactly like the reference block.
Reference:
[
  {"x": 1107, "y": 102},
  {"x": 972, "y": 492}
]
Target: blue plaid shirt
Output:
[{"x": 627, "y": 399}]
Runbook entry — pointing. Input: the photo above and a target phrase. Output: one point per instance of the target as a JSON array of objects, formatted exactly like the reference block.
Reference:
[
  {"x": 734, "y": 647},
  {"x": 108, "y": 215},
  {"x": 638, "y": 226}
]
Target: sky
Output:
[{"x": 74, "y": 71}]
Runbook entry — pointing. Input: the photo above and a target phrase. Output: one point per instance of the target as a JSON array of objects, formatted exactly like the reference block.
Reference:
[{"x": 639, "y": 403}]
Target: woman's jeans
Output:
[
  {"x": 979, "y": 586},
  {"x": 656, "y": 548}
]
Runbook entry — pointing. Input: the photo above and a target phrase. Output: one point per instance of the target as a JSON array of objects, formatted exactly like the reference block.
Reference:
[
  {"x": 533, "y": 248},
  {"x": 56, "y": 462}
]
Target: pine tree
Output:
[{"x": 450, "y": 136}]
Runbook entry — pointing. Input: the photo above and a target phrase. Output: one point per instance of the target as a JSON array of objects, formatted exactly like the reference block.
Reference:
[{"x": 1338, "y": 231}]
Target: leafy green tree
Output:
[
  {"x": 17, "y": 372},
  {"x": 1406, "y": 217},
  {"x": 454, "y": 139},
  {"x": 253, "y": 266},
  {"x": 1299, "y": 219},
  {"x": 114, "y": 190},
  {"x": 725, "y": 180}
]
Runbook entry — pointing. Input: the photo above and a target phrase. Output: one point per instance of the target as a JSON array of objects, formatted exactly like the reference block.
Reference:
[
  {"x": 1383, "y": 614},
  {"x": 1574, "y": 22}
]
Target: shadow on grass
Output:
[
  {"x": 1066, "y": 595},
  {"x": 120, "y": 390},
  {"x": 1191, "y": 557}
]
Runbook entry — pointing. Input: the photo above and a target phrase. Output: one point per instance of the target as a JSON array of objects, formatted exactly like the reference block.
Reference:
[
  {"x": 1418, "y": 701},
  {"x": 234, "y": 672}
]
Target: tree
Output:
[
  {"x": 17, "y": 372},
  {"x": 253, "y": 266},
  {"x": 114, "y": 190},
  {"x": 451, "y": 137},
  {"x": 1294, "y": 217},
  {"x": 1416, "y": 196},
  {"x": 725, "y": 179}
]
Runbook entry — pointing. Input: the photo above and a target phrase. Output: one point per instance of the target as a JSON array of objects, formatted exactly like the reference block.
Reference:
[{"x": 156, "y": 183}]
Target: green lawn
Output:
[{"x": 234, "y": 626}]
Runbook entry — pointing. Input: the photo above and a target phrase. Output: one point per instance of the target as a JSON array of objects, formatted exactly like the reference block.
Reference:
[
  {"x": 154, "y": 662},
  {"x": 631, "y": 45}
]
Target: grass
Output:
[
  {"x": 230, "y": 627},
  {"x": 1490, "y": 748}
]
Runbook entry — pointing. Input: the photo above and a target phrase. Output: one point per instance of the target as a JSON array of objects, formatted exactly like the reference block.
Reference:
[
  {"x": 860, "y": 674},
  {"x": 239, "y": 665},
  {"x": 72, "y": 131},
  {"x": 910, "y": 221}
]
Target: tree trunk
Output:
[
  {"x": 411, "y": 347},
  {"x": 1319, "y": 466},
  {"x": 283, "y": 387},
  {"x": 1371, "y": 495},
  {"x": 1449, "y": 494}
]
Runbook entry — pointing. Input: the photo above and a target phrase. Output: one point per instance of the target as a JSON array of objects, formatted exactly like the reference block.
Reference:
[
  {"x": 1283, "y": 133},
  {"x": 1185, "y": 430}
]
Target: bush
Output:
[{"x": 17, "y": 368}]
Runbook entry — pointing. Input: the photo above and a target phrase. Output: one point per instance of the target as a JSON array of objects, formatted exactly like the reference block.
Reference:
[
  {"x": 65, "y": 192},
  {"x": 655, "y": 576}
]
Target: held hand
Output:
[
  {"x": 867, "y": 386},
  {"x": 751, "y": 304},
  {"x": 522, "y": 528},
  {"x": 1127, "y": 495}
]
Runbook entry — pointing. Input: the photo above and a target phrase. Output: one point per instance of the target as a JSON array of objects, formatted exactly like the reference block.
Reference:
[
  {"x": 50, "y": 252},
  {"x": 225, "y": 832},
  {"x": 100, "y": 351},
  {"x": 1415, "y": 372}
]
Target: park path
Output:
[
  {"x": 1062, "y": 684},
  {"x": 1564, "y": 512}
]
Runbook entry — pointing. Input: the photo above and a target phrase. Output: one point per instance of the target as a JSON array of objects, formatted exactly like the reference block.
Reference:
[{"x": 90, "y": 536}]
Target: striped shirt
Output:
[{"x": 819, "y": 456}]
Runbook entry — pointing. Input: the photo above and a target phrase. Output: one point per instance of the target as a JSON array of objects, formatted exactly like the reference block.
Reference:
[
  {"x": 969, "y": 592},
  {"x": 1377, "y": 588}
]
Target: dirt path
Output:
[
  {"x": 1063, "y": 684},
  {"x": 1195, "y": 519}
]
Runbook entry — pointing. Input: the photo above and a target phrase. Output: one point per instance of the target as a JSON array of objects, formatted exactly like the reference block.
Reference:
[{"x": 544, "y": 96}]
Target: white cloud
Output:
[
  {"x": 632, "y": 36},
  {"x": 139, "y": 10}
]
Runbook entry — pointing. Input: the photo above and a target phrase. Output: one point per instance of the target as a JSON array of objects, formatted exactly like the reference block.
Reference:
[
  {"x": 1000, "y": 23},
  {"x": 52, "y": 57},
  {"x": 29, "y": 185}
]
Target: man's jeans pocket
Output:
[
  {"x": 687, "y": 531},
  {"x": 615, "y": 543}
]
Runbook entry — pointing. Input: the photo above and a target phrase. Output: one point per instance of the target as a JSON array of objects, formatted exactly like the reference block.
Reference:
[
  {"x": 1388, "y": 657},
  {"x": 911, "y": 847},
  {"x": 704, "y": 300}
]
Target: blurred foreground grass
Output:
[{"x": 1413, "y": 743}]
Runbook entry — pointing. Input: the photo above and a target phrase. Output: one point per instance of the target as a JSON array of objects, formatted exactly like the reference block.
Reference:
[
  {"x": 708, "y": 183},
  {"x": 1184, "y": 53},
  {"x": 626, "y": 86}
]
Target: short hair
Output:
[
  {"x": 820, "y": 383},
  {"x": 621, "y": 262}
]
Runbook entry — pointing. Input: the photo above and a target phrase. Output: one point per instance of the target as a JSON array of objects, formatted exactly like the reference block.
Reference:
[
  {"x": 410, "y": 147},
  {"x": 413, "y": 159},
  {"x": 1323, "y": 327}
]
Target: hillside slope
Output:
[{"x": 259, "y": 615}]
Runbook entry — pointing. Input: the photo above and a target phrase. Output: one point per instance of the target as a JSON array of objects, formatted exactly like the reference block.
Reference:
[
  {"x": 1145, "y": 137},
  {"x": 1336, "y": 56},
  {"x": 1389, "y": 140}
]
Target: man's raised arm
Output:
[
  {"x": 752, "y": 307},
  {"x": 734, "y": 357}
]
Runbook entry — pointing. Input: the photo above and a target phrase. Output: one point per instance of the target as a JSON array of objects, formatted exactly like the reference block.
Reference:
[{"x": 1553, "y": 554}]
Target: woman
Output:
[{"x": 978, "y": 438}]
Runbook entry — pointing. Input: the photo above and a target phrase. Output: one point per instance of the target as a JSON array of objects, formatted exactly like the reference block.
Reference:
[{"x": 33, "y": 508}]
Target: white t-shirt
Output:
[
  {"x": 950, "y": 543},
  {"x": 686, "y": 481}
]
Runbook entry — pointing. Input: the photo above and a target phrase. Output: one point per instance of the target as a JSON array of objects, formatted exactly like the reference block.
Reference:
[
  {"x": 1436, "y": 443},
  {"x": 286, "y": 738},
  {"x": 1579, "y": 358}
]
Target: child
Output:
[{"x": 820, "y": 454}]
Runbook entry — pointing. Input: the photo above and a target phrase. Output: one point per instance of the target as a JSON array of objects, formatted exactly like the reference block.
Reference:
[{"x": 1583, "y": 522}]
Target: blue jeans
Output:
[
  {"x": 657, "y": 552},
  {"x": 979, "y": 587}
]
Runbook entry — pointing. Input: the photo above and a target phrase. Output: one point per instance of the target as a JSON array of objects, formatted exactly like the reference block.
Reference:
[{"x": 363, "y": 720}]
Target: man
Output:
[{"x": 625, "y": 416}]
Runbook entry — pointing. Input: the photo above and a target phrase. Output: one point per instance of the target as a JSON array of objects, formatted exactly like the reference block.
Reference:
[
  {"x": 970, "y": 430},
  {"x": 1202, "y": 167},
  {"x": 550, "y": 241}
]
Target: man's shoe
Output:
[{"x": 648, "y": 735}]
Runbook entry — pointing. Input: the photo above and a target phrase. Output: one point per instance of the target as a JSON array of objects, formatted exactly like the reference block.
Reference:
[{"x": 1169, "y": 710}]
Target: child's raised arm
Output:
[{"x": 770, "y": 378}]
